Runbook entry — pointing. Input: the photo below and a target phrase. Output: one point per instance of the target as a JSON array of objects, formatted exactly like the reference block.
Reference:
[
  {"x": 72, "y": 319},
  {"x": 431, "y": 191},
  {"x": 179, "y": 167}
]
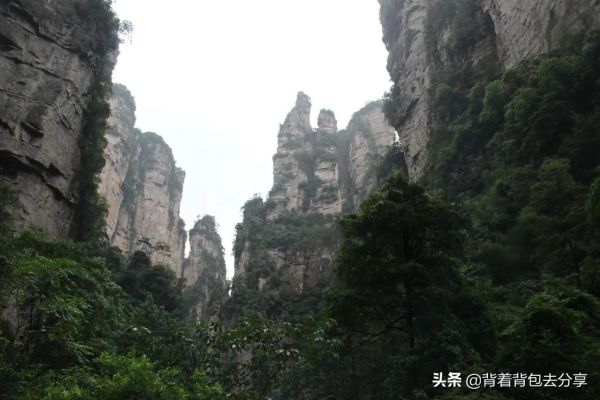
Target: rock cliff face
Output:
[
  {"x": 483, "y": 37},
  {"x": 51, "y": 55},
  {"x": 287, "y": 243},
  {"x": 143, "y": 188},
  {"x": 409, "y": 68},
  {"x": 369, "y": 137},
  {"x": 526, "y": 29},
  {"x": 204, "y": 270},
  {"x": 121, "y": 137},
  {"x": 149, "y": 215},
  {"x": 296, "y": 170},
  {"x": 314, "y": 169}
]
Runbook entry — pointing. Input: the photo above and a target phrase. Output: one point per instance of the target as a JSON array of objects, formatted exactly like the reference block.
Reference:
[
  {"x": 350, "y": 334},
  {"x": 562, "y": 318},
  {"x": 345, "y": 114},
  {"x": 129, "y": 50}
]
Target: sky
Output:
[{"x": 215, "y": 79}]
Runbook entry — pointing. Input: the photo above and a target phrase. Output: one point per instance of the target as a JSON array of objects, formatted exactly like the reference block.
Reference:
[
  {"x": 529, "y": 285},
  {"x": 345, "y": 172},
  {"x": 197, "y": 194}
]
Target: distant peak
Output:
[
  {"x": 207, "y": 222},
  {"x": 326, "y": 121},
  {"x": 302, "y": 100}
]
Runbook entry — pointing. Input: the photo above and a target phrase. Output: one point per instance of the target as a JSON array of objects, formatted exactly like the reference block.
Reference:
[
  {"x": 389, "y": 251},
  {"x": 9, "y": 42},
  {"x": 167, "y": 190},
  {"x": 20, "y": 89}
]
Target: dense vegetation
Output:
[
  {"x": 81, "y": 322},
  {"x": 491, "y": 264},
  {"x": 263, "y": 287},
  {"x": 97, "y": 47},
  {"x": 518, "y": 152}
]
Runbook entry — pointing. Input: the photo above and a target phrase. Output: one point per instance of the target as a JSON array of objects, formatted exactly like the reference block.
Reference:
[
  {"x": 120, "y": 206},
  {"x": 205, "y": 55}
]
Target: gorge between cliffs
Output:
[{"x": 440, "y": 222}]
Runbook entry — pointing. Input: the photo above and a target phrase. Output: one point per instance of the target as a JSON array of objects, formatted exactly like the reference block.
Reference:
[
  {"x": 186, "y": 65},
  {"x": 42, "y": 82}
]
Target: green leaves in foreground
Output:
[
  {"x": 401, "y": 304},
  {"x": 114, "y": 377}
]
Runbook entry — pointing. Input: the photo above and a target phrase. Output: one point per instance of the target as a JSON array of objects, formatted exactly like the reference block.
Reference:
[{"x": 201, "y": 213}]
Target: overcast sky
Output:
[{"x": 216, "y": 78}]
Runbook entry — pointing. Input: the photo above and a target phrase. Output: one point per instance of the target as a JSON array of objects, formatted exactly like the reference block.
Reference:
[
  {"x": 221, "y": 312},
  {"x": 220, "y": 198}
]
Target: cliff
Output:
[
  {"x": 204, "y": 270},
  {"x": 324, "y": 171},
  {"x": 121, "y": 138},
  {"x": 143, "y": 188},
  {"x": 429, "y": 39},
  {"x": 305, "y": 167},
  {"x": 285, "y": 245},
  {"x": 55, "y": 59},
  {"x": 369, "y": 137}
]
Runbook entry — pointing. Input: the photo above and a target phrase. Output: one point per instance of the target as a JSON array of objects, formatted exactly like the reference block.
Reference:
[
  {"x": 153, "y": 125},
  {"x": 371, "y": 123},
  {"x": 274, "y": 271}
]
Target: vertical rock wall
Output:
[
  {"x": 149, "y": 214},
  {"x": 477, "y": 37},
  {"x": 369, "y": 137},
  {"x": 204, "y": 270},
  {"x": 287, "y": 243},
  {"x": 143, "y": 188},
  {"x": 120, "y": 146},
  {"x": 525, "y": 29},
  {"x": 409, "y": 68},
  {"x": 290, "y": 163},
  {"x": 51, "y": 53}
]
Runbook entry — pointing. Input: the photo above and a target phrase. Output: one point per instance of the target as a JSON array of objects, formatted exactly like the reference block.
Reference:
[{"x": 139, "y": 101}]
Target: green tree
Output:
[
  {"x": 116, "y": 377},
  {"x": 401, "y": 303},
  {"x": 141, "y": 279}
]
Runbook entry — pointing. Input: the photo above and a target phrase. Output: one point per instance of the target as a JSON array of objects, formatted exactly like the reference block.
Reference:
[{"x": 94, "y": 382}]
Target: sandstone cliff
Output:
[
  {"x": 121, "y": 137},
  {"x": 472, "y": 38},
  {"x": 54, "y": 56},
  {"x": 369, "y": 137},
  {"x": 305, "y": 173},
  {"x": 204, "y": 270},
  {"x": 526, "y": 29},
  {"x": 286, "y": 244},
  {"x": 143, "y": 188}
]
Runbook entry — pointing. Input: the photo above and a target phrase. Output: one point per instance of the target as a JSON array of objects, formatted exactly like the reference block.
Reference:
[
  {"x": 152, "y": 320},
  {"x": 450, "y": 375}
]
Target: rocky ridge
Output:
[{"x": 287, "y": 243}]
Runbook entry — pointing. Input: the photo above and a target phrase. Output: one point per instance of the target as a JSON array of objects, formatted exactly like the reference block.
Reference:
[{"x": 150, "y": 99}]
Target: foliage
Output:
[
  {"x": 116, "y": 377},
  {"x": 96, "y": 45},
  {"x": 326, "y": 140},
  {"x": 8, "y": 200},
  {"x": 91, "y": 207},
  {"x": 100, "y": 19},
  {"x": 208, "y": 227},
  {"x": 393, "y": 161},
  {"x": 63, "y": 306},
  {"x": 291, "y": 233},
  {"x": 494, "y": 265},
  {"x": 519, "y": 152},
  {"x": 401, "y": 303},
  {"x": 141, "y": 279},
  {"x": 310, "y": 187},
  {"x": 82, "y": 322},
  {"x": 540, "y": 109}
]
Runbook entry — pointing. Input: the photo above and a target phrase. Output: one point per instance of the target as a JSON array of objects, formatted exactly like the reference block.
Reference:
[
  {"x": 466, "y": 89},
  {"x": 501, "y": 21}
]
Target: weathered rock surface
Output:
[
  {"x": 409, "y": 68},
  {"x": 204, "y": 270},
  {"x": 47, "y": 69},
  {"x": 370, "y": 136},
  {"x": 528, "y": 28},
  {"x": 290, "y": 166},
  {"x": 288, "y": 242},
  {"x": 121, "y": 143},
  {"x": 506, "y": 31},
  {"x": 143, "y": 188},
  {"x": 149, "y": 215}
]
